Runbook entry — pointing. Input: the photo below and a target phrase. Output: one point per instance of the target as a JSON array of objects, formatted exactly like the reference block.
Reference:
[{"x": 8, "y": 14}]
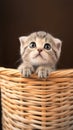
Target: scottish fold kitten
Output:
[{"x": 40, "y": 52}]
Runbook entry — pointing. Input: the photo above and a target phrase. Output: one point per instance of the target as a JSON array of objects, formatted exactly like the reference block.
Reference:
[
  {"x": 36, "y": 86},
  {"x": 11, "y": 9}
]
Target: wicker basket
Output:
[{"x": 34, "y": 104}]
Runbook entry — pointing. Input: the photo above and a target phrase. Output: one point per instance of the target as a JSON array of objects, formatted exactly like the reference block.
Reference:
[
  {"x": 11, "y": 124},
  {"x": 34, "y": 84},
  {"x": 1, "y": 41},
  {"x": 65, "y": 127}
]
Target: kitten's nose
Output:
[{"x": 39, "y": 50}]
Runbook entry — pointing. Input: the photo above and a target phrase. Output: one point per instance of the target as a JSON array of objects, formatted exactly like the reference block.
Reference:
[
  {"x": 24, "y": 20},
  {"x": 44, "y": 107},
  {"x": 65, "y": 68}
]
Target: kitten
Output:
[{"x": 40, "y": 52}]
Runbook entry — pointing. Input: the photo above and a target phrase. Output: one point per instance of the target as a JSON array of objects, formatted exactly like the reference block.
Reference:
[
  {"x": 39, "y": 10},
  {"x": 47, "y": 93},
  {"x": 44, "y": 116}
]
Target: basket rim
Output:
[{"x": 54, "y": 74}]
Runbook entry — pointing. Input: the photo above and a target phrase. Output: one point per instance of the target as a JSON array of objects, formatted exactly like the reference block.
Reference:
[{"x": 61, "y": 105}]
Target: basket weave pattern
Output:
[{"x": 34, "y": 104}]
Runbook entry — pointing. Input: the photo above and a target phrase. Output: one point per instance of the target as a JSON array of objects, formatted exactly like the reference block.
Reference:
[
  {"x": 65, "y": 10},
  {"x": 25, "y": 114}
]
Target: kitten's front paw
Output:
[
  {"x": 26, "y": 71},
  {"x": 43, "y": 72}
]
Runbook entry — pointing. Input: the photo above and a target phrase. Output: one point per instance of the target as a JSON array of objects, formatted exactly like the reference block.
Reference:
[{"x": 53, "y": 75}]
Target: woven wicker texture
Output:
[{"x": 34, "y": 104}]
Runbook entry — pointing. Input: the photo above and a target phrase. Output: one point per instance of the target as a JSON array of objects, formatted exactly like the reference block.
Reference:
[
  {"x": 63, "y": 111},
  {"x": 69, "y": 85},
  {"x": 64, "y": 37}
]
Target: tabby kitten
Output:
[{"x": 40, "y": 52}]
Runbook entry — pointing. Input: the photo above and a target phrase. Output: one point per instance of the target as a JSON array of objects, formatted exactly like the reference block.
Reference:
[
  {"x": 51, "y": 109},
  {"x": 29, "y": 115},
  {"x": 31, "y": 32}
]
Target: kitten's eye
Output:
[
  {"x": 47, "y": 46},
  {"x": 32, "y": 45}
]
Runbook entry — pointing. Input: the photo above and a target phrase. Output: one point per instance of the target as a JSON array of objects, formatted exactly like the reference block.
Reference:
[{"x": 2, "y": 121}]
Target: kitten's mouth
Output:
[{"x": 39, "y": 55}]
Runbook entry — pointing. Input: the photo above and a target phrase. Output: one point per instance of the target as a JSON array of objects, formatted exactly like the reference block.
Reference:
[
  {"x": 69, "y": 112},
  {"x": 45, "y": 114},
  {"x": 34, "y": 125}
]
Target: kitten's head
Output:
[{"x": 40, "y": 48}]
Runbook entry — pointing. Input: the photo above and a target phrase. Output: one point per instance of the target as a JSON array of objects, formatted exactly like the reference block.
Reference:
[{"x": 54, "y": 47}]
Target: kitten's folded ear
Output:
[
  {"x": 22, "y": 40},
  {"x": 58, "y": 43}
]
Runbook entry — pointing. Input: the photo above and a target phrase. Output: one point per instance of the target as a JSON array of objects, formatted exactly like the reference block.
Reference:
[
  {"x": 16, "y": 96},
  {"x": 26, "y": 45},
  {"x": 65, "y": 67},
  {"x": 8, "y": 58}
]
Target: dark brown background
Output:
[{"x": 21, "y": 17}]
